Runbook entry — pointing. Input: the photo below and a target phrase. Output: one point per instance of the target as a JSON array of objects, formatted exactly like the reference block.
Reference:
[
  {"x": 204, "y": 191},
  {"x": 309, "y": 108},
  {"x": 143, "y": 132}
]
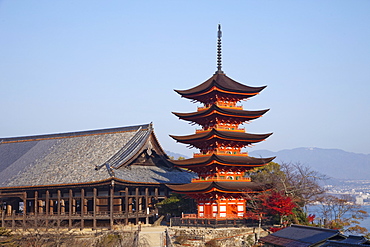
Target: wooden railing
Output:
[{"x": 17, "y": 216}]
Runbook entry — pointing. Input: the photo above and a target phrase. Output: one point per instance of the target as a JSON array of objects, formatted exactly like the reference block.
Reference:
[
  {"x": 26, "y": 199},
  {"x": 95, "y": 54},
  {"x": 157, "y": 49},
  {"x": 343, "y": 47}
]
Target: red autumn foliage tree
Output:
[{"x": 278, "y": 203}]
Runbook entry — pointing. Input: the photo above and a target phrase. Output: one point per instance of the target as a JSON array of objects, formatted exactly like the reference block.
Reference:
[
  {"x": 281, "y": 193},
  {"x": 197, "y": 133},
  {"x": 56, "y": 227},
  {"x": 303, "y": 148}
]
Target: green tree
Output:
[{"x": 175, "y": 205}]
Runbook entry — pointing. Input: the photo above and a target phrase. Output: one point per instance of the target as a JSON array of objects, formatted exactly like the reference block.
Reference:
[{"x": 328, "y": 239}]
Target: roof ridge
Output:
[
  {"x": 129, "y": 149},
  {"x": 73, "y": 134},
  {"x": 316, "y": 228}
]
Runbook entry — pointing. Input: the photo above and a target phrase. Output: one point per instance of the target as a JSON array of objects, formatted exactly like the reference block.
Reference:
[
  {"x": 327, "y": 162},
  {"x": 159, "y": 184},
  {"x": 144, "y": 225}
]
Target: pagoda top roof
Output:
[
  {"x": 223, "y": 83},
  {"x": 219, "y": 186},
  {"x": 227, "y": 160}
]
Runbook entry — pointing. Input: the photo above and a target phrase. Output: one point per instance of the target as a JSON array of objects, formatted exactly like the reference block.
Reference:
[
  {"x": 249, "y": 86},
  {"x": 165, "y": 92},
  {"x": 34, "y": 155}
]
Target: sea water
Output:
[{"x": 315, "y": 209}]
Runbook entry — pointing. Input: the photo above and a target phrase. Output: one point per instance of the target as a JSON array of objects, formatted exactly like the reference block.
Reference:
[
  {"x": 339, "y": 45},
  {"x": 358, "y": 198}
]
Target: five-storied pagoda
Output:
[{"x": 221, "y": 165}]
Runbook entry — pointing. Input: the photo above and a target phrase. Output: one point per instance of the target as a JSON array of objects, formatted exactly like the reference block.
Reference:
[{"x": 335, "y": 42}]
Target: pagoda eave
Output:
[
  {"x": 214, "y": 114},
  {"x": 221, "y": 135},
  {"x": 211, "y": 97},
  {"x": 231, "y": 187},
  {"x": 204, "y": 144},
  {"x": 222, "y": 160},
  {"x": 222, "y": 83}
]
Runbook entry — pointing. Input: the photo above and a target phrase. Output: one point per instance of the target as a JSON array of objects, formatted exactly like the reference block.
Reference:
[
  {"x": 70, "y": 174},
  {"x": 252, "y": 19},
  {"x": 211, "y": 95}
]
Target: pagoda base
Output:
[{"x": 222, "y": 208}]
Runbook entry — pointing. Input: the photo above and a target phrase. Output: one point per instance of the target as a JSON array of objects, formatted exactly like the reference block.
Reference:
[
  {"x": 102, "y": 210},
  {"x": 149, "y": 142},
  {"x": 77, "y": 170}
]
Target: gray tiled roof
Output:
[
  {"x": 71, "y": 158},
  {"x": 300, "y": 236}
]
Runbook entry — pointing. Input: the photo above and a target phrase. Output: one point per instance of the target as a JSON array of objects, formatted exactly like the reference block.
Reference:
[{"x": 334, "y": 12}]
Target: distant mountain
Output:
[
  {"x": 334, "y": 163},
  {"x": 175, "y": 155}
]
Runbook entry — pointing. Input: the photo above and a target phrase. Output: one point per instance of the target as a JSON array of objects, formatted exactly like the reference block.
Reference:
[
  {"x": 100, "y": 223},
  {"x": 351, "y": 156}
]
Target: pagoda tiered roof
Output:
[
  {"x": 213, "y": 137},
  {"x": 211, "y": 114},
  {"x": 229, "y": 162},
  {"x": 232, "y": 187},
  {"x": 220, "y": 86}
]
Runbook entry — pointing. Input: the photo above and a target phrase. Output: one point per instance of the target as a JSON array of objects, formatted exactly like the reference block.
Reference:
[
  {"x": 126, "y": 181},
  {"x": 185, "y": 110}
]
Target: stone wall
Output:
[{"x": 222, "y": 237}]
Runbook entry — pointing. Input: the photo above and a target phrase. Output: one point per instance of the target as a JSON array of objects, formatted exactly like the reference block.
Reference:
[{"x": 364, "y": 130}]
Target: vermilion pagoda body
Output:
[{"x": 221, "y": 165}]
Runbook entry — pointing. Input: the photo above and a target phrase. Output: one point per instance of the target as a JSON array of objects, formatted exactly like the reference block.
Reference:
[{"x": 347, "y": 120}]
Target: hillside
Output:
[{"x": 334, "y": 163}]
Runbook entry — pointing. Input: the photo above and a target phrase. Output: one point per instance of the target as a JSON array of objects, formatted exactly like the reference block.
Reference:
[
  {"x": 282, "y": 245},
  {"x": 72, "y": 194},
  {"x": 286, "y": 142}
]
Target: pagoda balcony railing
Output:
[
  {"x": 215, "y": 216},
  {"x": 219, "y": 179},
  {"x": 221, "y": 153},
  {"x": 239, "y": 107},
  {"x": 221, "y": 129}
]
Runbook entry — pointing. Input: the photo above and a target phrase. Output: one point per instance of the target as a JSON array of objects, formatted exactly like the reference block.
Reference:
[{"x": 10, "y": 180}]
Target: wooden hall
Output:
[{"x": 86, "y": 179}]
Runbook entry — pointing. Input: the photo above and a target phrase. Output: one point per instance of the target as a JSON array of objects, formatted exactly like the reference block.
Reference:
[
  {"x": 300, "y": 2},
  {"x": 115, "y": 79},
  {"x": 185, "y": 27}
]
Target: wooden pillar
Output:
[
  {"x": 41, "y": 208},
  {"x": 51, "y": 205},
  {"x": 156, "y": 199},
  {"x": 70, "y": 209},
  {"x": 147, "y": 205},
  {"x": 24, "y": 209},
  {"x": 58, "y": 208},
  {"x": 119, "y": 203},
  {"x": 130, "y": 208},
  {"x": 62, "y": 207},
  {"x": 111, "y": 204},
  {"x": 36, "y": 204},
  {"x": 82, "y": 205},
  {"x": 47, "y": 202},
  {"x": 137, "y": 205},
  {"x": 140, "y": 204},
  {"x": 13, "y": 220},
  {"x": 47, "y": 209},
  {"x": 126, "y": 205},
  {"x": 166, "y": 194},
  {"x": 36, "y": 207},
  {"x": 156, "y": 193},
  {"x": 58, "y": 205},
  {"x": 3, "y": 219},
  {"x": 94, "y": 208},
  {"x": 9, "y": 209}
]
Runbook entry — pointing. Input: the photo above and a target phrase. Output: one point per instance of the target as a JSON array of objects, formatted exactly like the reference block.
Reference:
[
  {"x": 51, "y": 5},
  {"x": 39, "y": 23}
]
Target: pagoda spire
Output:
[{"x": 219, "y": 54}]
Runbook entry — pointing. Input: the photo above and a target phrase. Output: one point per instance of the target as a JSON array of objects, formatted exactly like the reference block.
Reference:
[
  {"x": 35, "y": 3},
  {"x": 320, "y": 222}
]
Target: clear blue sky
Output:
[{"x": 80, "y": 65}]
